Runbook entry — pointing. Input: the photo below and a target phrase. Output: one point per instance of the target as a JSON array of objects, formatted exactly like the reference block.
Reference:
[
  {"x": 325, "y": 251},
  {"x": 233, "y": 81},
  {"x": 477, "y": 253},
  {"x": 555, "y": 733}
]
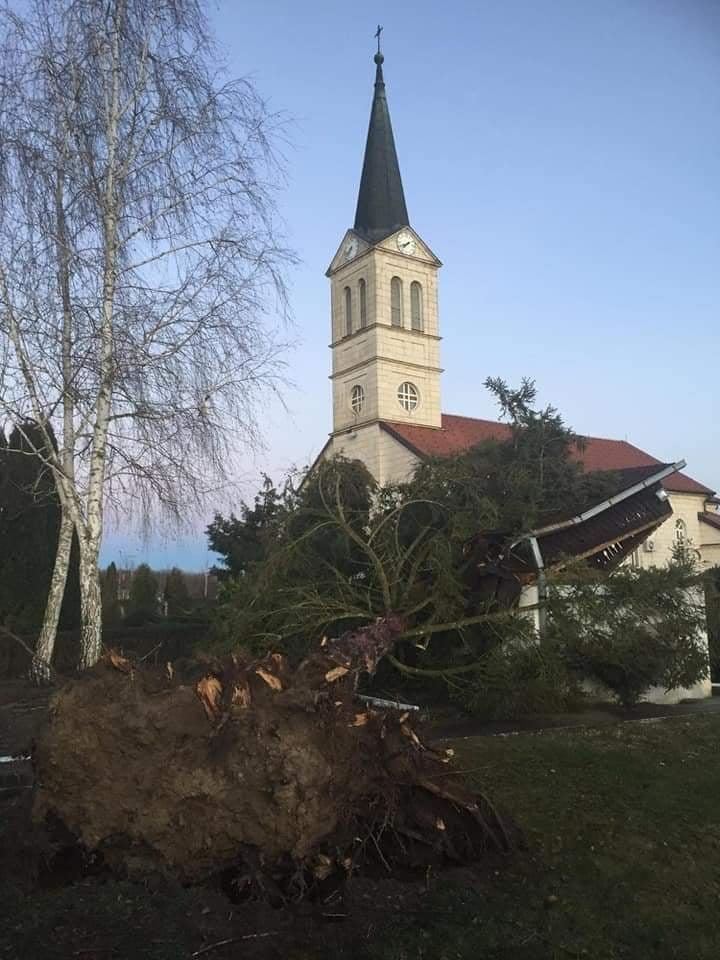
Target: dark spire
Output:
[{"x": 381, "y": 206}]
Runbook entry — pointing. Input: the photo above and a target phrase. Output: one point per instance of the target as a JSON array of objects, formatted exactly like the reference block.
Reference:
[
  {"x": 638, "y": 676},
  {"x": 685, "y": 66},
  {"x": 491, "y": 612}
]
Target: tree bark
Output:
[
  {"x": 90, "y": 606},
  {"x": 40, "y": 668}
]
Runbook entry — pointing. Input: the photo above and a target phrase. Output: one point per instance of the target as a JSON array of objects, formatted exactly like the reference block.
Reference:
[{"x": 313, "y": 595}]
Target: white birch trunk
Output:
[
  {"x": 90, "y": 592},
  {"x": 40, "y": 669},
  {"x": 90, "y": 606}
]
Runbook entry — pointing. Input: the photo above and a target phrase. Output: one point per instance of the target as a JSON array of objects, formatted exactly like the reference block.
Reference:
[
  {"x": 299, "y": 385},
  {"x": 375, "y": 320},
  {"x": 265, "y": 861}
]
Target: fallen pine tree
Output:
[{"x": 282, "y": 777}]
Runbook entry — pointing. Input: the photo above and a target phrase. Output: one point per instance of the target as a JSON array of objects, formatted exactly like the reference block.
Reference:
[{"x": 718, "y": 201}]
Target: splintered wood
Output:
[
  {"x": 270, "y": 679},
  {"x": 118, "y": 661},
  {"x": 210, "y": 690},
  {"x": 332, "y": 675}
]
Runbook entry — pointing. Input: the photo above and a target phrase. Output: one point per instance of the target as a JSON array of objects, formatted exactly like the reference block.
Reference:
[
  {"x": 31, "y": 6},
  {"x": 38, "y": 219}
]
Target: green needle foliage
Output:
[
  {"x": 176, "y": 595},
  {"x": 632, "y": 630},
  {"x": 144, "y": 590},
  {"x": 29, "y": 527},
  {"x": 336, "y": 552},
  {"x": 109, "y": 586}
]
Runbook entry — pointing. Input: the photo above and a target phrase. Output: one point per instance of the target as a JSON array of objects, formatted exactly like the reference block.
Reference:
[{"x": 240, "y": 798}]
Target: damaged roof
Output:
[
  {"x": 606, "y": 537},
  {"x": 711, "y": 519}
]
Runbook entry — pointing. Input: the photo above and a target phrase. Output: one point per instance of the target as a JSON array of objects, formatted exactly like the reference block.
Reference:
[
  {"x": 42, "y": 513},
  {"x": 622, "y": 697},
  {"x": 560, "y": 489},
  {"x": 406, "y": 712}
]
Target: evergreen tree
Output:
[
  {"x": 110, "y": 596},
  {"x": 243, "y": 541},
  {"x": 143, "y": 603},
  {"x": 29, "y": 525},
  {"x": 176, "y": 595}
]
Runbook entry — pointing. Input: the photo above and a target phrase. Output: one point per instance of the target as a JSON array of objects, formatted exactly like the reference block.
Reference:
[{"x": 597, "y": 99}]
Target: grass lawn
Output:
[
  {"x": 623, "y": 829},
  {"x": 622, "y": 861}
]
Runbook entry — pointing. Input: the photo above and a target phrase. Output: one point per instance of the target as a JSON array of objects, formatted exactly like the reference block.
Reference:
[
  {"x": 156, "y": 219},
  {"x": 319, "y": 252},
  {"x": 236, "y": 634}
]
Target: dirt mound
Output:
[{"x": 284, "y": 777}]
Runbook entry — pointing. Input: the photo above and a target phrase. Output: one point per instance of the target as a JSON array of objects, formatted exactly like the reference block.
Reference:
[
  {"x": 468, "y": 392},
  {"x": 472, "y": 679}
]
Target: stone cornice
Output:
[{"x": 405, "y": 331}]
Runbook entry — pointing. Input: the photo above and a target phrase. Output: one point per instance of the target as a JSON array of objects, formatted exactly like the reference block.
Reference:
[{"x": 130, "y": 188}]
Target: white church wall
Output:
[
  {"x": 685, "y": 507},
  {"x": 397, "y": 461},
  {"x": 362, "y": 444},
  {"x": 386, "y": 459}
]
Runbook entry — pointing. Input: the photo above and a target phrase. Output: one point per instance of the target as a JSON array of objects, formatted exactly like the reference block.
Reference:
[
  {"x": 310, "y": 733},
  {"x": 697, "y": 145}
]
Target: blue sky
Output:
[{"x": 561, "y": 158}]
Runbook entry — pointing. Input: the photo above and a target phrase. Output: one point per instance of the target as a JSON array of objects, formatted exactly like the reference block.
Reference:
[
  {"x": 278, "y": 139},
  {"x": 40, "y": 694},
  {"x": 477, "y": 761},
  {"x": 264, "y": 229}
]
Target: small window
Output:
[
  {"x": 680, "y": 531},
  {"x": 357, "y": 398},
  {"x": 396, "y": 302},
  {"x": 416, "y": 306},
  {"x": 348, "y": 311},
  {"x": 363, "y": 303},
  {"x": 408, "y": 396}
]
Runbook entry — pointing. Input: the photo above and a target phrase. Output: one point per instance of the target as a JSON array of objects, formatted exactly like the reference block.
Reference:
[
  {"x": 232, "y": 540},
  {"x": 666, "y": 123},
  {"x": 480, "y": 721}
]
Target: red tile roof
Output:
[{"x": 461, "y": 433}]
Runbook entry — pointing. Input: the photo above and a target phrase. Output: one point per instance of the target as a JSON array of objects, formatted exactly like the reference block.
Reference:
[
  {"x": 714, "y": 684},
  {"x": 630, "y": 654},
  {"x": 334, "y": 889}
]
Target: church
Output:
[{"x": 386, "y": 373}]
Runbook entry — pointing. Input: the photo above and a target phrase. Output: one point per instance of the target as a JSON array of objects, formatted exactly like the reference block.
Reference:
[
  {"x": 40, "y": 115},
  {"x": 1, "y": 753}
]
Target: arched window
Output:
[
  {"x": 408, "y": 396},
  {"x": 680, "y": 531},
  {"x": 357, "y": 398},
  {"x": 416, "y": 306},
  {"x": 348, "y": 311},
  {"x": 396, "y": 305},
  {"x": 363, "y": 303}
]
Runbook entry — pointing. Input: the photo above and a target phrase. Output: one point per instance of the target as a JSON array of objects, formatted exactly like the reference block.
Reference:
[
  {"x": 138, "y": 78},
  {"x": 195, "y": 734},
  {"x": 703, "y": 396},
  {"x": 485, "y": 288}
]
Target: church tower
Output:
[{"x": 385, "y": 337}]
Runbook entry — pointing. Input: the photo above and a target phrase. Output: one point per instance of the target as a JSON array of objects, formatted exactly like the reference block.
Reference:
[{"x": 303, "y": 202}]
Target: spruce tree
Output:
[
  {"x": 177, "y": 597},
  {"x": 110, "y": 596},
  {"x": 29, "y": 524},
  {"x": 143, "y": 603}
]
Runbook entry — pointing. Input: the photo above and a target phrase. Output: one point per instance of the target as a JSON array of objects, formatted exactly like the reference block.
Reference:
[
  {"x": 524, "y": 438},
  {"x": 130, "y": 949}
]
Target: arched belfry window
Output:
[
  {"x": 348, "y": 311},
  {"x": 416, "y": 306},
  {"x": 357, "y": 399},
  {"x": 363, "y": 303},
  {"x": 396, "y": 304}
]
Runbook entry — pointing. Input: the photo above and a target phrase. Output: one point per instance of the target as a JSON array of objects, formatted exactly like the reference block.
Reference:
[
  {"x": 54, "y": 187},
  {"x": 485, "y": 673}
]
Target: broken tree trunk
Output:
[{"x": 282, "y": 775}]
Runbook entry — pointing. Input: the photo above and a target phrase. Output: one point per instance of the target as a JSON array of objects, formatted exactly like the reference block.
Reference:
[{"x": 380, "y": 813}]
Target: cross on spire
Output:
[{"x": 377, "y": 36}]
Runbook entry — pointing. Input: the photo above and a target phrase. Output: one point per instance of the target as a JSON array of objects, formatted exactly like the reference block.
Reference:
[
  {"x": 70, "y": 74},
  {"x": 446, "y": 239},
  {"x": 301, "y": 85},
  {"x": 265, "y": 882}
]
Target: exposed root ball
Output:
[{"x": 285, "y": 774}]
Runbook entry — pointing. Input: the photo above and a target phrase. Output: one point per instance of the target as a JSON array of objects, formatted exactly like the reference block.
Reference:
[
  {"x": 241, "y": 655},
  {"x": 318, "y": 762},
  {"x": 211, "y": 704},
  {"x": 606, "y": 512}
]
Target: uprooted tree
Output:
[
  {"x": 281, "y": 777},
  {"x": 338, "y": 551},
  {"x": 268, "y": 762},
  {"x": 139, "y": 259}
]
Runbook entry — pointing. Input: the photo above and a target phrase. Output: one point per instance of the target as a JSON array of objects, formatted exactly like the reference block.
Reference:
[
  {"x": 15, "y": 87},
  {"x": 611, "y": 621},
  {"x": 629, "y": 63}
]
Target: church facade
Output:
[{"x": 386, "y": 372}]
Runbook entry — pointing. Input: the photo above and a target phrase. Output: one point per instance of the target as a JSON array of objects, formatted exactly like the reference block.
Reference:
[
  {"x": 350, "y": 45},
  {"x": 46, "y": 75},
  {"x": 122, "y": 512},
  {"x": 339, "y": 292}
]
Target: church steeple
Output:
[
  {"x": 381, "y": 206},
  {"x": 385, "y": 332}
]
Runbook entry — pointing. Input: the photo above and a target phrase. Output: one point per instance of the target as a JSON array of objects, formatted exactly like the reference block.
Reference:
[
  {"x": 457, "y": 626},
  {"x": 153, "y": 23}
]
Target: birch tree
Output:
[{"x": 141, "y": 268}]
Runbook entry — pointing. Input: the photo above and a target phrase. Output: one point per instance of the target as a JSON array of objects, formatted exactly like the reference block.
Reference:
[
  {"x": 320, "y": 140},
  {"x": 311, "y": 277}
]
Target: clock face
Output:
[
  {"x": 351, "y": 248},
  {"x": 406, "y": 242}
]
